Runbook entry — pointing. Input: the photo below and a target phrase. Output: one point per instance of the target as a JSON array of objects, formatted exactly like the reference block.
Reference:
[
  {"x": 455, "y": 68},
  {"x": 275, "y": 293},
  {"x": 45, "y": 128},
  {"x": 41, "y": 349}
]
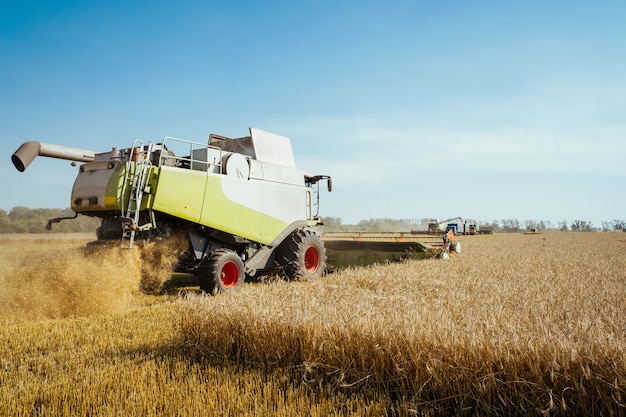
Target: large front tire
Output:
[
  {"x": 223, "y": 271},
  {"x": 302, "y": 256}
]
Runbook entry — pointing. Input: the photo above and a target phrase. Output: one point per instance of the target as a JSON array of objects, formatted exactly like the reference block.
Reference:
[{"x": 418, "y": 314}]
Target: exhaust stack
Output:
[{"x": 29, "y": 150}]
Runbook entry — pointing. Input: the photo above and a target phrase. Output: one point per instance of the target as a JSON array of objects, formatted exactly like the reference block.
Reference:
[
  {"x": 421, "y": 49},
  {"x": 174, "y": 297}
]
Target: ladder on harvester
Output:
[{"x": 137, "y": 175}]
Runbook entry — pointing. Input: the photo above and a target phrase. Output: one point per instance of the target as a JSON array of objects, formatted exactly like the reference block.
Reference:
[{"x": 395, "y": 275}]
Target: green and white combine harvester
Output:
[{"x": 244, "y": 207}]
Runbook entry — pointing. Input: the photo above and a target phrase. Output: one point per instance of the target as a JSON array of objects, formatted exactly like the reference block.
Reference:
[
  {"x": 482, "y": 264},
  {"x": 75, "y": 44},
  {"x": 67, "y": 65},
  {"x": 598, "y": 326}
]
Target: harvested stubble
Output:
[
  {"x": 53, "y": 278},
  {"x": 125, "y": 366},
  {"x": 78, "y": 338},
  {"x": 514, "y": 325}
]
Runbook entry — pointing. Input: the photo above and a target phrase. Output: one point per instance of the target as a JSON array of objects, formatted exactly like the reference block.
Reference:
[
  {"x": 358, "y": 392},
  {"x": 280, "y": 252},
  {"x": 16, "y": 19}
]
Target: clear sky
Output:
[{"x": 486, "y": 110}]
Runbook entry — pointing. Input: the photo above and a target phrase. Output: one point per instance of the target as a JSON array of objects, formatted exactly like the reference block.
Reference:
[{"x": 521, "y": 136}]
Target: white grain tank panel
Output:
[
  {"x": 269, "y": 147},
  {"x": 256, "y": 169},
  {"x": 275, "y": 173},
  {"x": 280, "y": 201}
]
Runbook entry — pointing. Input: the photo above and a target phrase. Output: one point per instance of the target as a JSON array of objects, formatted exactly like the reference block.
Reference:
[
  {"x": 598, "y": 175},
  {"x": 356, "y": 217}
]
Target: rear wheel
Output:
[
  {"x": 302, "y": 256},
  {"x": 223, "y": 271}
]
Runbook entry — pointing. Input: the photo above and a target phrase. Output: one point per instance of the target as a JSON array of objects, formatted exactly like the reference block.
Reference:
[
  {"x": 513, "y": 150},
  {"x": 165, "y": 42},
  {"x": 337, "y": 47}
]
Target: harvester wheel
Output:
[
  {"x": 222, "y": 271},
  {"x": 302, "y": 256}
]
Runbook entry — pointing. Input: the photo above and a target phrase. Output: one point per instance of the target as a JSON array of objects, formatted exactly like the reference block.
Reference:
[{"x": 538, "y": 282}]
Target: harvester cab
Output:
[{"x": 244, "y": 206}]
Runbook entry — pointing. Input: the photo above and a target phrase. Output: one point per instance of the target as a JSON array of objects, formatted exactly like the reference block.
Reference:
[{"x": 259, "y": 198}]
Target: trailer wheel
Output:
[
  {"x": 302, "y": 256},
  {"x": 223, "y": 271}
]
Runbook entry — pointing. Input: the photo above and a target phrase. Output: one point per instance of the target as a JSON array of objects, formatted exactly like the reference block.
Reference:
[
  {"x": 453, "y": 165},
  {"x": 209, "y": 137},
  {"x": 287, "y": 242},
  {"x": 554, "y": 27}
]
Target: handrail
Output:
[{"x": 191, "y": 161}]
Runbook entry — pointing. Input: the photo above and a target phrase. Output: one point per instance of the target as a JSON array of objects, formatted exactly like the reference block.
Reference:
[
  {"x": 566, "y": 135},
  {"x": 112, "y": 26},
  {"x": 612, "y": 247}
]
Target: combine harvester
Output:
[{"x": 242, "y": 205}]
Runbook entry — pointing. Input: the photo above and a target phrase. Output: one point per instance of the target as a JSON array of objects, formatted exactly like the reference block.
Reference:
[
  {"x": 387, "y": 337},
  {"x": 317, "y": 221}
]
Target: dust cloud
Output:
[{"x": 98, "y": 279}]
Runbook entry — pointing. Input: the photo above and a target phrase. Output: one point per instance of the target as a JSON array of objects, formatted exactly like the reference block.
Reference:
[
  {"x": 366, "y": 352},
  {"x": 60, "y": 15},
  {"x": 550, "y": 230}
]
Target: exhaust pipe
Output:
[{"x": 29, "y": 150}]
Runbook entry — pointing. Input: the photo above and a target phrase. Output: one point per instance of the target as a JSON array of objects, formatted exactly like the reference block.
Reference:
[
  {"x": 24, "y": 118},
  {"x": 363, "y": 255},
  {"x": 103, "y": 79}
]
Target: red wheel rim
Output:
[
  {"x": 311, "y": 259},
  {"x": 229, "y": 275}
]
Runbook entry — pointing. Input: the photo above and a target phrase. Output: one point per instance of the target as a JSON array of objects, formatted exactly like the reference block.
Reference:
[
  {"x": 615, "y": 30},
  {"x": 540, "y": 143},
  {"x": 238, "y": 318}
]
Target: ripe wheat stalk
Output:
[{"x": 515, "y": 324}]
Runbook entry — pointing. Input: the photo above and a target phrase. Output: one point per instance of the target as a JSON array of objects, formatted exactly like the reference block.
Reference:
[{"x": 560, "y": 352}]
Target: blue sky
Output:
[{"x": 486, "y": 110}]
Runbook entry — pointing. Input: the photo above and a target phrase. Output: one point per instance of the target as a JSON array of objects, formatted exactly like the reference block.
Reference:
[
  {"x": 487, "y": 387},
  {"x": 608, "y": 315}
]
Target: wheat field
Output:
[{"x": 514, "y": 325}]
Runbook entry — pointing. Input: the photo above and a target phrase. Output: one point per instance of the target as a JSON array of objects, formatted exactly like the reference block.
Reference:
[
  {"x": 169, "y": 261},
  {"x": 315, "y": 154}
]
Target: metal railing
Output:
[{"x": 200, "y": 156}]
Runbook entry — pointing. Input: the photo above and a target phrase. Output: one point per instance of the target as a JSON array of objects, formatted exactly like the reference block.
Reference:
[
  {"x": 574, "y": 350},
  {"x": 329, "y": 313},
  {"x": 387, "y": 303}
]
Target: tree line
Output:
[
  {"x": 26, "y": 220},
  {"x": 497, "y": 226}
]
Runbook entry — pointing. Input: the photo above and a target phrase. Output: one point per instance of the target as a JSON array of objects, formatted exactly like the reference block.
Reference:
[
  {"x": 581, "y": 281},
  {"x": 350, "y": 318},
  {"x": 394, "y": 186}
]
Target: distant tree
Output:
[
  {"x": 619, "y": 225},
  {"x": 510, "y": 225},
  {"x": 530, "y": 224},
  {"x": 4, "y": 219},
  {"x": 25, "y": 220},
  {"x": 18, "y": 213},
  {"x": 332, "y": 223},
  {"x": 581, "y": 226}
]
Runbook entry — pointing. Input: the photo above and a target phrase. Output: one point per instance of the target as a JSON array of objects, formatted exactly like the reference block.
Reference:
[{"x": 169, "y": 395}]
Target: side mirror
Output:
[{"x": 330, "y": 184}]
